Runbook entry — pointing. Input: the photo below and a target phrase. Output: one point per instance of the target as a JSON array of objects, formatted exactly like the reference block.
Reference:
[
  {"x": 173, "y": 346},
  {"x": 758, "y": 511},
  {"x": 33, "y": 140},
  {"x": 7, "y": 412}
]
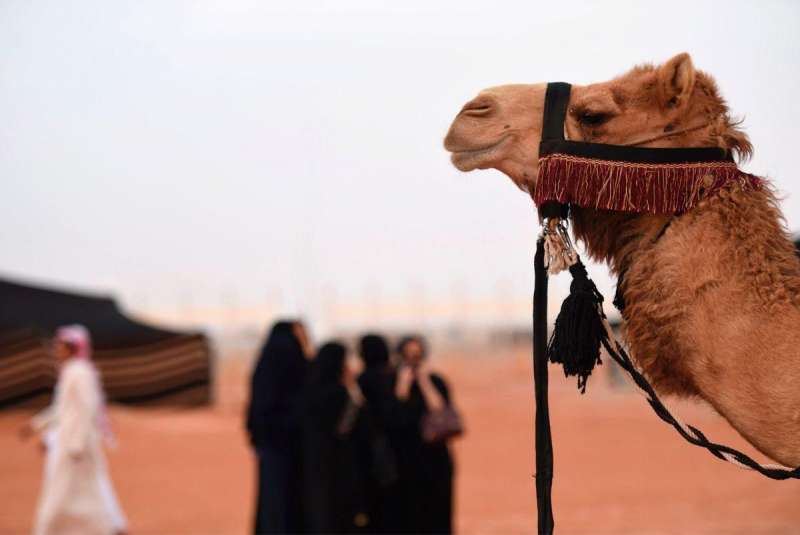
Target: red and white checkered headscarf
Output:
[{"x": 78, "y": 337}]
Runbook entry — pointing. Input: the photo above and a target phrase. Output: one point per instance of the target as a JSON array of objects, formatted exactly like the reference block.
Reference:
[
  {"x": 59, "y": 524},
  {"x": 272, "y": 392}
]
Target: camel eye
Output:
[{"x": 593, "y": 119}]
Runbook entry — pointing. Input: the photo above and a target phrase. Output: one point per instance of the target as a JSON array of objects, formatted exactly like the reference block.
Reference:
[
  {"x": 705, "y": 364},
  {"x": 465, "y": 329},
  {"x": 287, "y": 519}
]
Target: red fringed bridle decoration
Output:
[{"x": 663, "y": 188}]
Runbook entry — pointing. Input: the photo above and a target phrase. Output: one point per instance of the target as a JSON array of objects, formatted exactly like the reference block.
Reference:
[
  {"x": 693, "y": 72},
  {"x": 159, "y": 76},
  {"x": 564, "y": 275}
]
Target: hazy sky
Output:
[{"x": 197, "y": 150}]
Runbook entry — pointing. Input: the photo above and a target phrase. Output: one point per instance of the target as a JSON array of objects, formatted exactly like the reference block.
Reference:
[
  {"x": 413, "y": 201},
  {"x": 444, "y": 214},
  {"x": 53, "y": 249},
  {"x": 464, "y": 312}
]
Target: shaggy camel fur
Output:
[{"x": 713, "y": 304}]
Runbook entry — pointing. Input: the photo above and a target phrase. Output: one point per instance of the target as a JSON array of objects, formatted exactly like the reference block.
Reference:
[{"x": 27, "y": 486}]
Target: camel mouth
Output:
[{"x": 473, "y": 158}]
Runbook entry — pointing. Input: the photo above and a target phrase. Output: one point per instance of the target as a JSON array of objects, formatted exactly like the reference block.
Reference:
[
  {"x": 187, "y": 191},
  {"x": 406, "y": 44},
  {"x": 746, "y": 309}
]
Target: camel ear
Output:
[{"x": 676, "y": 80}]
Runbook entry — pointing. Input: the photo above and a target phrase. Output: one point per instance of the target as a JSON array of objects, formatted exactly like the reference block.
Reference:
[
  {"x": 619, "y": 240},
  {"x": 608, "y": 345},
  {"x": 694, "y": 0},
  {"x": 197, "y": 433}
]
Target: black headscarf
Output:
[
  {"x": 277, "y": 382},
  {"x": 328, "y": 366},
  {"x": 374, "y": 350},
  {"x": 282, "y": 342}
]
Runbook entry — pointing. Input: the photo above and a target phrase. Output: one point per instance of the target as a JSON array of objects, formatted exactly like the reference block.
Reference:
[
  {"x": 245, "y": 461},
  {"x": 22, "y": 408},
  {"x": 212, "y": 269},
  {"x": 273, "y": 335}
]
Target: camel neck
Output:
[{"x": 617, "y": 238}]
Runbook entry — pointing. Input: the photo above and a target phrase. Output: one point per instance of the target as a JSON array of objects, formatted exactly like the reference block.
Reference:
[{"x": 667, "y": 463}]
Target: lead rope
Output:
[
  {"x": 544, "y": 442},
  {"x": 688, "y": 432},
  {"x": 575, "y": 344}
]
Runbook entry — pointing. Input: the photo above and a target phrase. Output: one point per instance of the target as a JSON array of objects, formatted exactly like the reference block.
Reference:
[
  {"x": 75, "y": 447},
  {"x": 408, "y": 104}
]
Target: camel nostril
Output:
[{"x": 477, "y": 107}]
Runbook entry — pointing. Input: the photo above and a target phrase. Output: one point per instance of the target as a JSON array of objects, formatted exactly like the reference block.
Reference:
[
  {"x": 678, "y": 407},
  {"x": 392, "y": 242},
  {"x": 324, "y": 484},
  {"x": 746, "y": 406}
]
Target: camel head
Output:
[{"x": 671, "y": 105}]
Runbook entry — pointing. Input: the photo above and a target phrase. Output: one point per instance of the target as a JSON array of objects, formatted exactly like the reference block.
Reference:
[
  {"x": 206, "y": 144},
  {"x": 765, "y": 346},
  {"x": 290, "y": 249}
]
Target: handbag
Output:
[{"x": 441, "y": 425}]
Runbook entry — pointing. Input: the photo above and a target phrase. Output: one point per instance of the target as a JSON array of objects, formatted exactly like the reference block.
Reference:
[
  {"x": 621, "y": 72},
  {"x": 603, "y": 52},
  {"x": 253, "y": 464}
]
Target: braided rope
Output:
[{"x": 689, "y": 433}]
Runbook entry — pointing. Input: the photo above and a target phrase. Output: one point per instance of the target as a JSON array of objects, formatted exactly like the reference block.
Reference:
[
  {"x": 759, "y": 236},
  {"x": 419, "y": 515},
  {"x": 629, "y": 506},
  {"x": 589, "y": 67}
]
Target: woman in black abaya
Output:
[
  {"x": 334, "y": 423},
  {"x": 377, "y": 457},
  {"x": 274, "y": 427},
  {"x": 425, "y": 486}
]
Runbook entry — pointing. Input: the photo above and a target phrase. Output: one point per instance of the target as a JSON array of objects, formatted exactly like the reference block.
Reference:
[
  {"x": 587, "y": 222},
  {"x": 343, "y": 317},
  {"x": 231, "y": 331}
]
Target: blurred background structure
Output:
[
  {"x": 140, "y": 364},
  {"x": 211, "y": 165}
]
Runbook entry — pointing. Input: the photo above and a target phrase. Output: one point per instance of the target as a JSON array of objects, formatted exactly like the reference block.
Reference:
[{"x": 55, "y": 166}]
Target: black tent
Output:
[{"x": 140, "y": 364}]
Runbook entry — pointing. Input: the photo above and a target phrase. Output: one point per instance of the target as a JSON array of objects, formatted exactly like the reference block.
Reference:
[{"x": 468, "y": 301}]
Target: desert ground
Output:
[{"x": 617, "y": 468}]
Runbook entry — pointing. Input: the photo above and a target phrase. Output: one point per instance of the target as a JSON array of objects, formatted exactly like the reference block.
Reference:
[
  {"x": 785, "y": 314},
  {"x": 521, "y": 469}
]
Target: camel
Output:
[{"x": 713, "y": 295}]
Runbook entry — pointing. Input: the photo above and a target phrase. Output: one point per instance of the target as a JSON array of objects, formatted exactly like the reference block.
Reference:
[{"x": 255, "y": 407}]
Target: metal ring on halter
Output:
[
  {"x": 563, "y": 231},
  {"x": 558, "y": 227}
]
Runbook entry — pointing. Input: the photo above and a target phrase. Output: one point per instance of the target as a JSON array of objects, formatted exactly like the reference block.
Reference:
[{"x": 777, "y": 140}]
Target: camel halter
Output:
[
  {"x": 610, "y": 177},
  {"x": 624, "y": 177}
]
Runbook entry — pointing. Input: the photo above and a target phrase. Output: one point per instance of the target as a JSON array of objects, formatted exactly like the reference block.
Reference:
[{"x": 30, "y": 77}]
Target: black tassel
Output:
[{"x": 579, "y": 330}]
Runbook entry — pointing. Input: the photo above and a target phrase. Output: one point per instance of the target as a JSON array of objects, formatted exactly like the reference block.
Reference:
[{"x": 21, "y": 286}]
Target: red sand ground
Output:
[{"x": 617, "y": 468}]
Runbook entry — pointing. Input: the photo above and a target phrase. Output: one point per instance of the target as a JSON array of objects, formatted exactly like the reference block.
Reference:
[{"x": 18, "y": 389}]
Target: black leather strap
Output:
[
  {"x": 544, "y": 442},
  {"x": 556, "y": 100},
  {"x": 622, "y": 153},
  {"x": 553, "y": 209}
]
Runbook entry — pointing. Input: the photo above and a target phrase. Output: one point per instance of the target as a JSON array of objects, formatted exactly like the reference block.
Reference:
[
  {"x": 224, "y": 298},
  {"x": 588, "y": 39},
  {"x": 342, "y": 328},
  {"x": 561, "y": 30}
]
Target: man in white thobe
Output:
[{"x": 77, "y": 497}]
